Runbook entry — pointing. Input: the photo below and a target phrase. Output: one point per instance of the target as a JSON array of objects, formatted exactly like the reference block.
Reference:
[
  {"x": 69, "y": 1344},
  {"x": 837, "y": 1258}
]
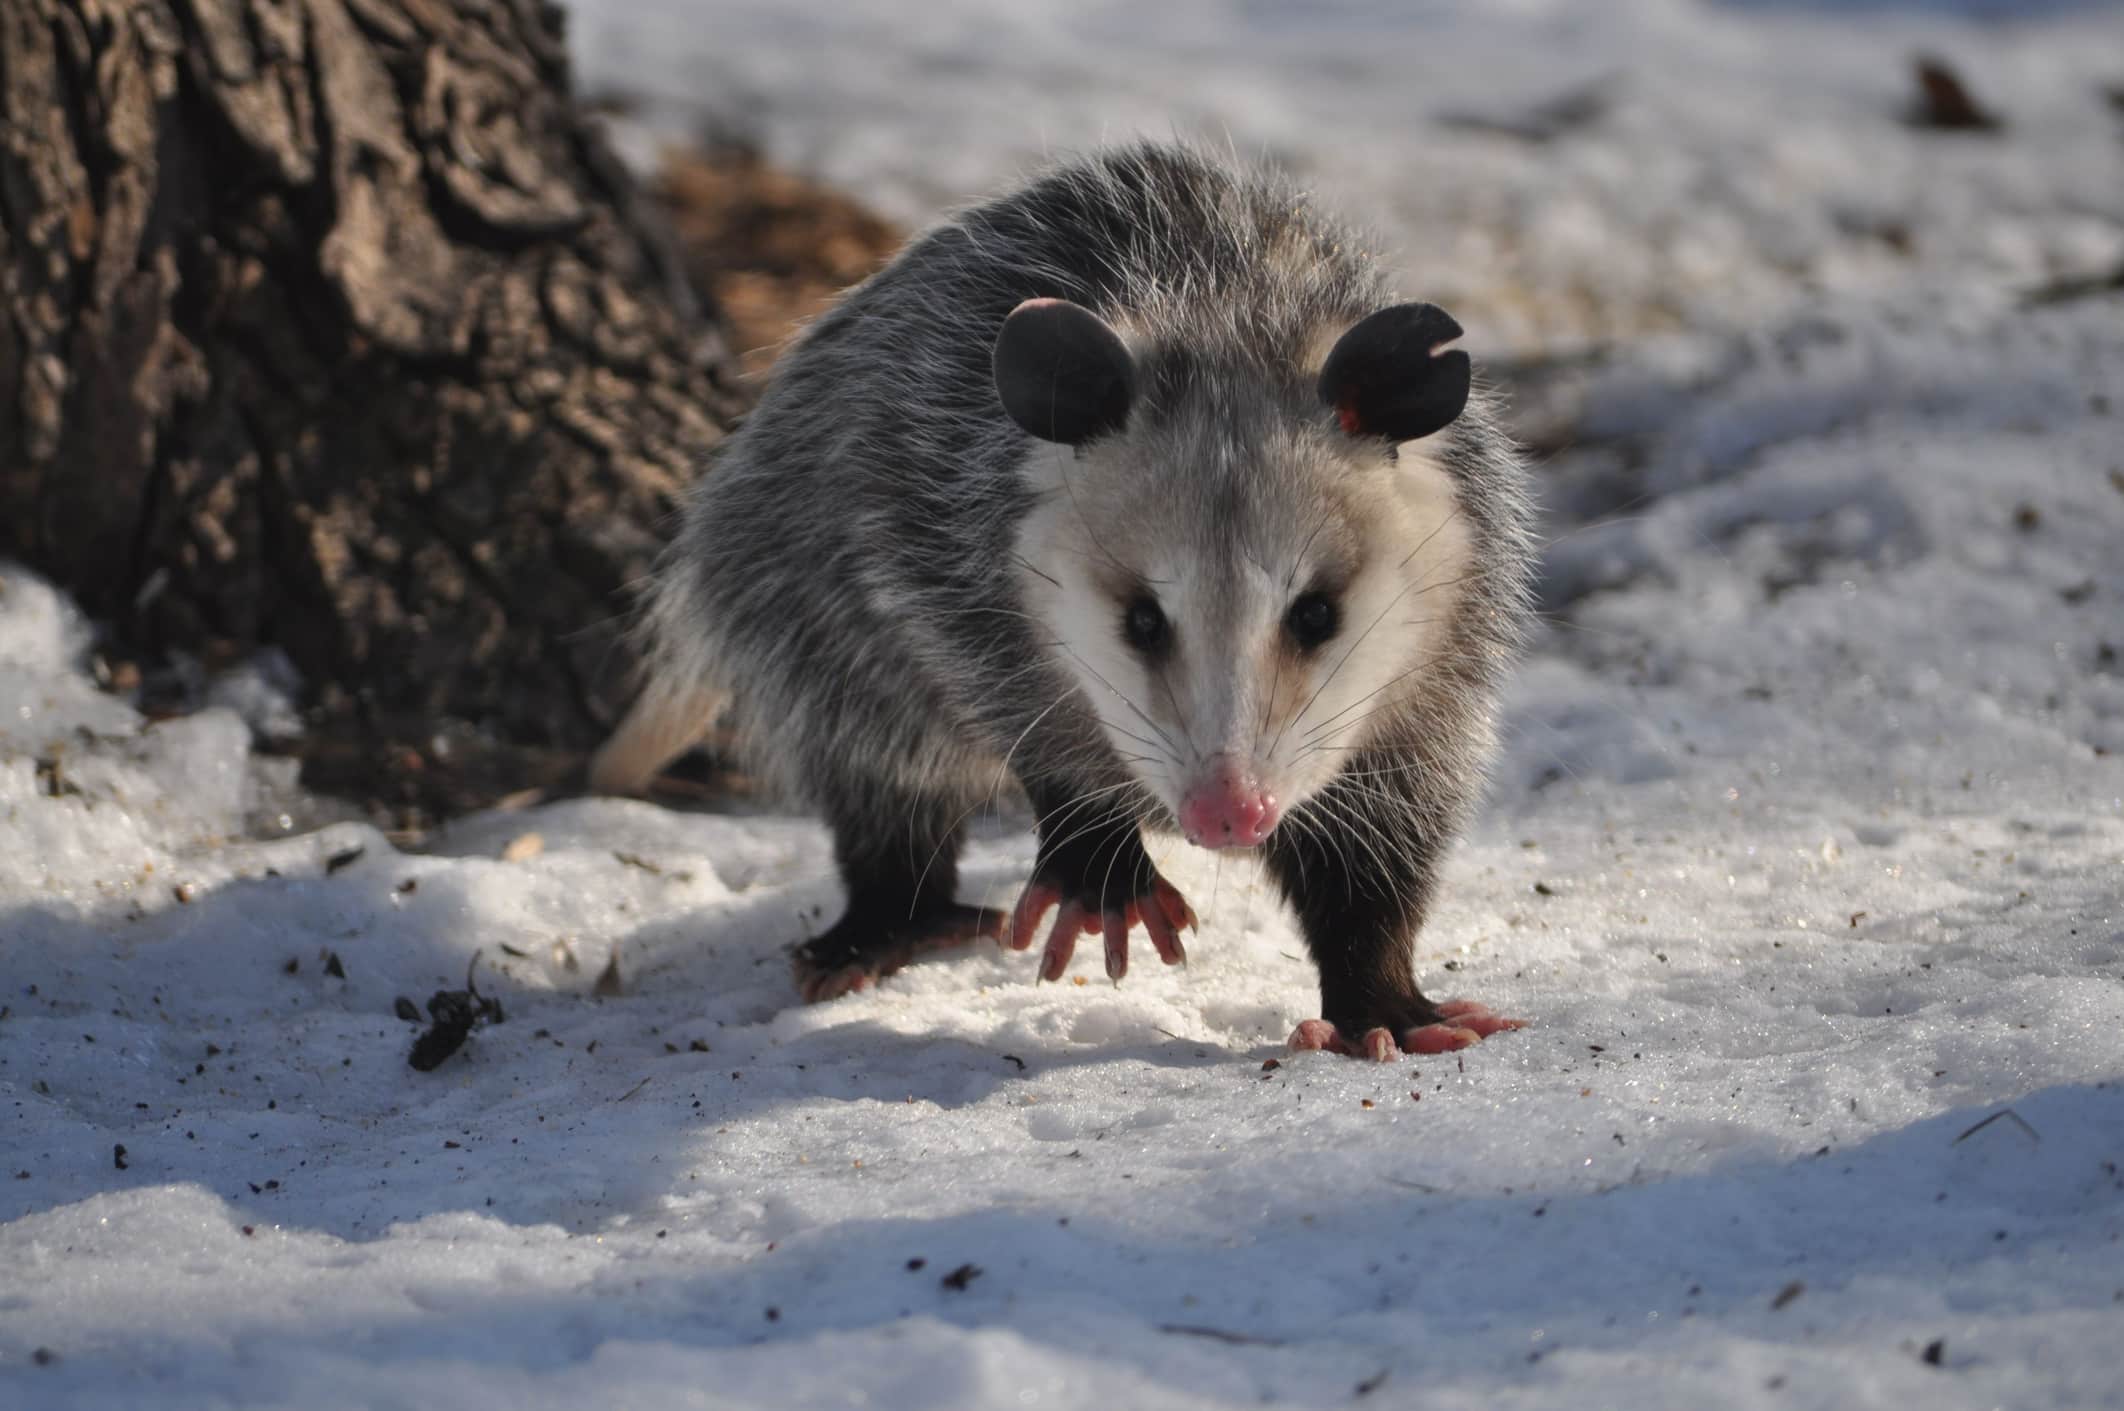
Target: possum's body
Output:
[{"x": 907, "y": 599}]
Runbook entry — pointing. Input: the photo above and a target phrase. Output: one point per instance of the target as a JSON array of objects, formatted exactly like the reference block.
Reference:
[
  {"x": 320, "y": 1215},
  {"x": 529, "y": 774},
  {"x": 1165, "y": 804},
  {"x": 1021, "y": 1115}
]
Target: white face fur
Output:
[{"x": 1235, "y": 550}]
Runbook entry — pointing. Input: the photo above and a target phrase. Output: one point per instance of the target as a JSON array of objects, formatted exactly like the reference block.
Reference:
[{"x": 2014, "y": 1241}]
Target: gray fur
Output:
[{"x": 846, "y": 572}]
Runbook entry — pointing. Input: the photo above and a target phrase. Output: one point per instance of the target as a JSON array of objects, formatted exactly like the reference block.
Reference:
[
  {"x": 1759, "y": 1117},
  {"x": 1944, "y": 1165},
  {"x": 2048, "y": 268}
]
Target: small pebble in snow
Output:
[
  {"x": 1786, "y": 1294},
  {"x": 118, "y": 1156},
  {"x": 1935, "y": 1352},
  {"x": 960, "y": 1277},
  {"x": 523, "y": 847},
  {"x": 44, "y": 1357},
  {"x": 913, "y": 1265}
]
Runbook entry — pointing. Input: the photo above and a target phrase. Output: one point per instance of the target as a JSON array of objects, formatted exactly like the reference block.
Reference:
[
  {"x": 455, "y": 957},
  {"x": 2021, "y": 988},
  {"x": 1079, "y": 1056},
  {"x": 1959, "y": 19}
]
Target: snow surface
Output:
[{"x": 1806, "y": 855}]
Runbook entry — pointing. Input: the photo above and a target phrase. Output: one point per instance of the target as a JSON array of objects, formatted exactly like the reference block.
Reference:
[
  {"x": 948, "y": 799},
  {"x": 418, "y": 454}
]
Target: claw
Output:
[
  {"x": 1071, "y": 921},
  {"x": 1317, "y": 1035},
  {"x": 1033, "y": 904},
  {"x": 1116, "y": 927},
  {"x": 1178, "y": 913},
  {"x": 1163, "y": 932},
  {"x": 1477, "y": 1019},
  {"x": 1438, "y": 1038}
]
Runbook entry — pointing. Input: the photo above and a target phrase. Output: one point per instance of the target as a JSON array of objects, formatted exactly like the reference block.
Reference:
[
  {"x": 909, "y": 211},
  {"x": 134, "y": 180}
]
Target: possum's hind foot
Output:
[
  {"x": 863, "y": 946},
  {"x": 1457, "y": 1024},
  {"x": 1158, "y": 908}
]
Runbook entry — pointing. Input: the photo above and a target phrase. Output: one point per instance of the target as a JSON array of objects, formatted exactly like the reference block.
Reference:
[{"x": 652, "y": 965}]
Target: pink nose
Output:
[{"x": 1227, "y": 808}]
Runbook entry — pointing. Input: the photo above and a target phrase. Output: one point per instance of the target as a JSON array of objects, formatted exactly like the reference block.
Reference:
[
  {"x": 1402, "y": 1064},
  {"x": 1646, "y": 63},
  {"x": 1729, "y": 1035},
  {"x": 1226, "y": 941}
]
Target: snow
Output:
[{"x": 1805, "y": 857}]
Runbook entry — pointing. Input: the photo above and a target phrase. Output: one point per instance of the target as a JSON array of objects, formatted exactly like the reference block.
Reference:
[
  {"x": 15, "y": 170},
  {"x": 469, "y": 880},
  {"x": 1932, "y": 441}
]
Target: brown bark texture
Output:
[{"x": 331, "y": 324}]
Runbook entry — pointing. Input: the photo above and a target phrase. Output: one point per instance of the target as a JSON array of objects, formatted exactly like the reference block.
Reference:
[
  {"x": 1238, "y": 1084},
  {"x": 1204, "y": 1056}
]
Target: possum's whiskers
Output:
[
  {"x": 1125, "y": 699},
  {"x": 1002, "y": 768},
  {"x": 1290, "y": 581},
  {"x": 1430, "y": 659},
  {"x": 1078, "y": 806},
  {"x": 1351, "y": 650}
]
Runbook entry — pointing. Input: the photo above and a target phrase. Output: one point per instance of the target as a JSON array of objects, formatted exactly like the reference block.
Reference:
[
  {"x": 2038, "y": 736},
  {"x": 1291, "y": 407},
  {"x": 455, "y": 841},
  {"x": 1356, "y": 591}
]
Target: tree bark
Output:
[{"x": 331, "y": 324}]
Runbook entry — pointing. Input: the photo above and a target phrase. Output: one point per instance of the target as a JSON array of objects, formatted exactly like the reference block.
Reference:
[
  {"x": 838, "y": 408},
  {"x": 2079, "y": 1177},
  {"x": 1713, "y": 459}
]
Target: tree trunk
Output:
[{"x": 331, "y": 324}]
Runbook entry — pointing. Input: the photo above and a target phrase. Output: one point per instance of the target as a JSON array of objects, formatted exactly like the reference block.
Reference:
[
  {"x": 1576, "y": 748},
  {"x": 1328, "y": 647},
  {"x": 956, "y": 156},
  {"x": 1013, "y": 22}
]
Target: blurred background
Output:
[{"x": 1569, "y": 175}]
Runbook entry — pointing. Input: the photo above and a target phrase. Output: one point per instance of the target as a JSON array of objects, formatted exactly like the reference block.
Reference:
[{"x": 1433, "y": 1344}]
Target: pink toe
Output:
[
  {"x": 1478, "y": 1018},
  {"x": 1175, "y": 907},
  {"x": 1481, "y": 1018},
  {"x": 1163, "y": 936},
  {"x": 1439, "y": 1038},
  {"x": 1115, "y": 926},
  {"x": 1313, "y": 1035},
  {"x": 1033, "y": 904},
  {"x": 1379, "y": 1046},
  {"x": 1070, "y": 922}
]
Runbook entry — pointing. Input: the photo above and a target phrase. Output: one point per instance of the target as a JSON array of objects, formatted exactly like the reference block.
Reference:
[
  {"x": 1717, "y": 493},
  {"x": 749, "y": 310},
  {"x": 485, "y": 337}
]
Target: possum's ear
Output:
[
  {"x": 1393, "y": 376},
  {"x": 1062, "y": 374}
]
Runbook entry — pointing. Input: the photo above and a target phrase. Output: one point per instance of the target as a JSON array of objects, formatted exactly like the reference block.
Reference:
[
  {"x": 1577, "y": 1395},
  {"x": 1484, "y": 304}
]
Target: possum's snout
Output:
[{"x": 1228, "y": 808}]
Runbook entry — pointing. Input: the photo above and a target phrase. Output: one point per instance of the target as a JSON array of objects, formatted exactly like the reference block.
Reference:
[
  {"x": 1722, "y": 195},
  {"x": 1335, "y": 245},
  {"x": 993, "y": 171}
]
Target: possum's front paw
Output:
[
  {"x": 1425, "y": 1028},
  {"x": 1088, "y": 907}
]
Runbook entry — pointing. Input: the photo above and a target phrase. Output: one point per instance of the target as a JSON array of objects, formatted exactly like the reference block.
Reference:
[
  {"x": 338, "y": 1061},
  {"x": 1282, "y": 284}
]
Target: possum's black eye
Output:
[
  {"x": 1312, "y": 619},
  {"x": 1144, "y": 625}
]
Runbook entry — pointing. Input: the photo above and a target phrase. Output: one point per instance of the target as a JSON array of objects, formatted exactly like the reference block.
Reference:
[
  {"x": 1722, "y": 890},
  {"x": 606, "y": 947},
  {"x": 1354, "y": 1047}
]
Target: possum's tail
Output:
[
  {"x": 679, "y": 700},
  {"x": 666, "y": 721}
]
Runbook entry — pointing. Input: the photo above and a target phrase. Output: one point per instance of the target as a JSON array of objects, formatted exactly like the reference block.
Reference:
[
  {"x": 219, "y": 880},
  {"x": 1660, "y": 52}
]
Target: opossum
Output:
[{"x": 1138, "y": 487}]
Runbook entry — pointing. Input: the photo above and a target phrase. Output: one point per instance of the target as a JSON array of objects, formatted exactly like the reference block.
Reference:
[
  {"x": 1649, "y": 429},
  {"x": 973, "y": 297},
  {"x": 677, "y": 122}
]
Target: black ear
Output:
[
  {"x": 1062, "y": 374},
  {"x": 1392, "y": 376}
]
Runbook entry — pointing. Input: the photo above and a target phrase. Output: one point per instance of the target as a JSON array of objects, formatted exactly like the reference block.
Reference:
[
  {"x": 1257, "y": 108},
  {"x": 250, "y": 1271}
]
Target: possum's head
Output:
[{"x": 1246, "y": 568}]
